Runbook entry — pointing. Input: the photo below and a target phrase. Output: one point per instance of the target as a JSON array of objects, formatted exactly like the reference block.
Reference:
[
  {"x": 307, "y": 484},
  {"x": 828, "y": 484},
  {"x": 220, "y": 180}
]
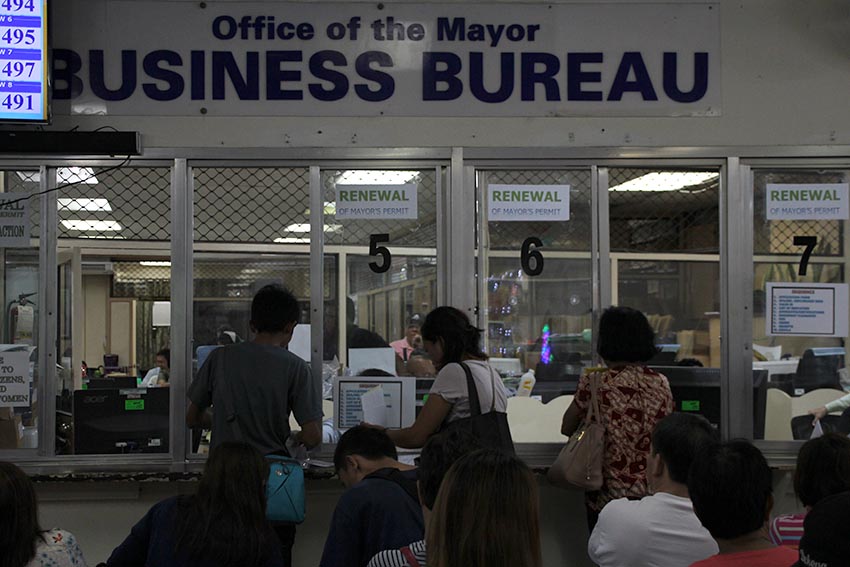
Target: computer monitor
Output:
[
  {"x": 666, "y": 355},
  {"x": 121, "y": 421},
  {"x": 697, "y": 390},
  {"x": 818, "y": 368},
  {"x": 112, "y": 382}
]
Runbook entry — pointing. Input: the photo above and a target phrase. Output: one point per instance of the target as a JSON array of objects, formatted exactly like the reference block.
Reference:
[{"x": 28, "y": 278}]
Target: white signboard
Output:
[
  {"x": 385, "y": 202},
  {"x": 14, "y": 220},
  {"x": 807, "y": 310},
  {"x": 227, "y": 58},
  {"x": 528, "y": 202},
  {"x": 807, "y": 201},
  {"x": 399, "y": 398},
  {"x": 15, "y": 379}
]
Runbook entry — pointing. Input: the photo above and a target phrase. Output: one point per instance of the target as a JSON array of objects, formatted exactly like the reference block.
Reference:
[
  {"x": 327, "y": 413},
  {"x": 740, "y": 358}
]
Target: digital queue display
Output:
[{"x": 23, "y": 61}]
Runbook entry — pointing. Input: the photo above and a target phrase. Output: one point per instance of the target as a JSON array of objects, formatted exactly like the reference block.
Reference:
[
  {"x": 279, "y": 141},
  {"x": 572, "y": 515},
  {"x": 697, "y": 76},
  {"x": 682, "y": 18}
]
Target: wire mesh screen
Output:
[
  {"x": 142, "y": 281},
  {"x": 25, "y": 182},
  {"x": 404, "y": 268},
  {"x": 776, "y": 237},
  {"x": 419, "y": 232},
  {"x": 130, "y": 203},
  {"x": 252, "y": 204},
  {"x": 242, "y": 277},
  {"x": 664, "y": 211},
  {"x": 573, "y": 235}
]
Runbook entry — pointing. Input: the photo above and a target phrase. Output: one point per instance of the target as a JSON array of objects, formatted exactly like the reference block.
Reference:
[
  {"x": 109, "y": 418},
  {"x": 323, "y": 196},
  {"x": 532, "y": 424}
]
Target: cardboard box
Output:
[{"x": 11, "y": 429}]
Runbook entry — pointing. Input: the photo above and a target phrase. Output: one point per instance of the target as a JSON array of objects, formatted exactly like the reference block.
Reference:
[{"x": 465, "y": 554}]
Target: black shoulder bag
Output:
[{"x": 490, "y": 428}]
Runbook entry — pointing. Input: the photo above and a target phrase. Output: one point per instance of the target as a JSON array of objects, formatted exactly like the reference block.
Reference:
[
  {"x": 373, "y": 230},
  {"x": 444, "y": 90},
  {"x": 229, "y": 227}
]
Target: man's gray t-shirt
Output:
[{"x": 265, "y": 383}]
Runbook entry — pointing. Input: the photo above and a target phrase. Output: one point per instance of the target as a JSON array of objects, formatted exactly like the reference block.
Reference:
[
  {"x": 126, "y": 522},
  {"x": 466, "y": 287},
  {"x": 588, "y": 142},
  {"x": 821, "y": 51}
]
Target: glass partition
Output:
[
  {"x": 114, "y": 310},
  {"x": 19, "y": 371},
  {"x": 534, "y": 242},
  {"x": 800, "y": 309}
]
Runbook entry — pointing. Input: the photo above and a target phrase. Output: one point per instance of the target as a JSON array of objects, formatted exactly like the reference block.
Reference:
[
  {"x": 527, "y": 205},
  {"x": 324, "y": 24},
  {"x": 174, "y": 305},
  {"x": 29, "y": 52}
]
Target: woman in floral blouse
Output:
[
  {"x": 632, "y": 399},
  {"x": 22, "y": 542}
]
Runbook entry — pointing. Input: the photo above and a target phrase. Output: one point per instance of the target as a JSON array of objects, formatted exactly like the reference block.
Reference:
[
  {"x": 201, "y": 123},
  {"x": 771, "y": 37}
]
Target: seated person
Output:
[
  {"x": 438, "y": 455},
  {"x": 826, "y": 541},
  {"x": 158, "y": 375},
  {"x": 731, "y": 487},
  {"x": 823, "y": 469},
  {"x": 411, "y": 341},
  {"x": 841, "y": 404},
  {"x": 661, "y": 529},
  {"x": 22, "y": 541},
  {"x": 223, "y": 525},
  {"x": 380, "y": 508}
]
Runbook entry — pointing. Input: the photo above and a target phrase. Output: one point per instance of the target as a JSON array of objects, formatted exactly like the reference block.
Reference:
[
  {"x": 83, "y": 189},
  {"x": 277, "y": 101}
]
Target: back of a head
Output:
[
  {"x": 625, "y": 336},
  {"x": 823, "y": 468},
  {"x": 486, "y": 513},
  {"x": 826, "y": 533},
  {"x": 367, "y": 442},
  {"x": 459, "y": 336},
  {"x": 438, "y": 455},
  {"x": 19, "y": 527},
  {"x": 226, "y": 519},
  {"x": 678, "y": 438},
  {"x": 731, "y": 489},
  {"x": 273, "y": 308}
]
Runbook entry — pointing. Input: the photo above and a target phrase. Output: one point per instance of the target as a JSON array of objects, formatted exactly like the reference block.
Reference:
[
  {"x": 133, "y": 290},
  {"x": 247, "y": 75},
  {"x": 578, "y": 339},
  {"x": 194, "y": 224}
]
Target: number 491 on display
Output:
[
  {"x": 18, "y": 5},
  {"x": 17, "y": 102}
]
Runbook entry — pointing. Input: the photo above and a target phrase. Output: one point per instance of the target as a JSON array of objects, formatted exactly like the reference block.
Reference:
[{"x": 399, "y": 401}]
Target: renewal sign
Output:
[
  {"x": 14, "y": 220},
  {"x": 384, "y": 202},
  {"x": 809, "y": 201},
  {"x": 528, "y": 202}
]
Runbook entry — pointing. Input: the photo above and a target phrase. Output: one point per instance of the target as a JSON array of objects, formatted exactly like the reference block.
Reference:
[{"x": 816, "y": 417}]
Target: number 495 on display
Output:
[{"x": 17, "y": 102}]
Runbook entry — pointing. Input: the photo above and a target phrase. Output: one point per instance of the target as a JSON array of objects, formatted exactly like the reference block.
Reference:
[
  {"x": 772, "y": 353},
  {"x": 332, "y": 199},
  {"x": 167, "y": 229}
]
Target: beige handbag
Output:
[{"x": 579, "y": 464}]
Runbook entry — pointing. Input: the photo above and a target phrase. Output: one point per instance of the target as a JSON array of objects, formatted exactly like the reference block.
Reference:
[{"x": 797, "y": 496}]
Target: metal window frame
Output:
[{"x": 456, "y": 166}]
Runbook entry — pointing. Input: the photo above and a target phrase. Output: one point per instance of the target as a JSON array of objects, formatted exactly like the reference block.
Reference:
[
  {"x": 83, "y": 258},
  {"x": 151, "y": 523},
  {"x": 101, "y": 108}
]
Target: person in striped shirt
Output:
[
  {"x": 438, "y": 455},
  {"x": 823, "y": 469}
]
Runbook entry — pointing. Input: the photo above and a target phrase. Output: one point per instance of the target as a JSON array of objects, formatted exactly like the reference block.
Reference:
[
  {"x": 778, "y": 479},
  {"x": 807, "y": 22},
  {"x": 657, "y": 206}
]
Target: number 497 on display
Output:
[{"x": 18, "y": 5}]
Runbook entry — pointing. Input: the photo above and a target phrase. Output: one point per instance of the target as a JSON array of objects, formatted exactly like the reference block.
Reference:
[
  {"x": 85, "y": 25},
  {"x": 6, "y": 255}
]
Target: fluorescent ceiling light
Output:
[
  {"x": 81, "y": 204},
  {"x": 305, "y": 227},
  {"x": 376, "y": 177},
  {"x": 92, "y": 225},
  {"x": 65, "y": 175},
  {"x": 165, "y": 264},
  {"x": 292, "y": 240},
  {"x": 666, "y": 181}
]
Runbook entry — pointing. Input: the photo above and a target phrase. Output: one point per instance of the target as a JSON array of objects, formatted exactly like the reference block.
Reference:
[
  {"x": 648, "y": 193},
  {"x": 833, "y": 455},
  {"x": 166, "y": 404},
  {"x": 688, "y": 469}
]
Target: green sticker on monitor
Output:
[
  {"x": 134, "y": 405},
  {"x": 690, "y": 405}
]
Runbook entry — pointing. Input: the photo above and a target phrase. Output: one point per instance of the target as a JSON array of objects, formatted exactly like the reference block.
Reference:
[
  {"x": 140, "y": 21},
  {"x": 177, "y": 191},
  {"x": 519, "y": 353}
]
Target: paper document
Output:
[
  {"x": 817, "y": 431},
  {"x": 360, "y": 359},
  {"x": 374, "y": 407},
  {"x": 300, "y": 343}
]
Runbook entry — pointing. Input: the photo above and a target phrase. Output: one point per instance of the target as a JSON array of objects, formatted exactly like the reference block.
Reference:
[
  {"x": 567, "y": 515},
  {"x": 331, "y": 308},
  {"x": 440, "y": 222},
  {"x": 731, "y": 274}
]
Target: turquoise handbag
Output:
[{"x": 285, "y": 493}]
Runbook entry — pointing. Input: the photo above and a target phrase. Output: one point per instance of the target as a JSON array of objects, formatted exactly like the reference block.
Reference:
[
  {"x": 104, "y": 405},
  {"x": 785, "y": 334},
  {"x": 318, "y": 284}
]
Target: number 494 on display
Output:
[
  {"x": 17, "y": 102},
  {"x": 18, "y": 5}
]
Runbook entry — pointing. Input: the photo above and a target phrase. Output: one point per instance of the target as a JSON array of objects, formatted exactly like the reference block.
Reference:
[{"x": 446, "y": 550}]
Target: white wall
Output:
[
  {"x": 784, "y": 82},
  {"x": 96, "y": 293}
]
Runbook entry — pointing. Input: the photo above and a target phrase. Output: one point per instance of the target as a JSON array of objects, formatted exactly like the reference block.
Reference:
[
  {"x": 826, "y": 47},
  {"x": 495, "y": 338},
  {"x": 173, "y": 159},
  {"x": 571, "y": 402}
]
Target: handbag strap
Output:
[
  {"x": 474, "y": 403},
  {"x": 593, "y": 409},
  {"x": 408, "y": 555},
  {"x": 227, "y": 394}
]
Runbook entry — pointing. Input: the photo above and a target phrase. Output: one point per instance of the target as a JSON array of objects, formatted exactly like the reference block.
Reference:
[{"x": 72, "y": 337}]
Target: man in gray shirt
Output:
[{"x": 258, "y": 383}]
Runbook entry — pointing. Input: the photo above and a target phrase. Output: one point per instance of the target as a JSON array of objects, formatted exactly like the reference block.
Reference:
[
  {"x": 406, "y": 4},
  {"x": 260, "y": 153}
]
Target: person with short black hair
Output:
[
  {"x": 823, "y": 469},
  {"x": 731, "y": 487},
  {"x": 632, "y": 399},
  {"x": 222, "y": 525},
  {"x": 380, "y": 508},
  {"x": 438, "y": 455},
  {"x": 660, "y": 530},
  {"x": 22, "y": 541},
  {"x": 826, "y": 541},
  {"x": 158, "y": 375},
  {"x": 256, "y": 384},
  {"x": 454, "y": 345}
]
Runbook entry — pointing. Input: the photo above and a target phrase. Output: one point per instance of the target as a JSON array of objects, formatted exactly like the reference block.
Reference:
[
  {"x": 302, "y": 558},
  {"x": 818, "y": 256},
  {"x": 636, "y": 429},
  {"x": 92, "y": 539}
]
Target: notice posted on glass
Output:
[
  {"x": 15, "y": 379},
  {"x": 354, "y": 395},
  {"x": 807, "y": 310}
]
